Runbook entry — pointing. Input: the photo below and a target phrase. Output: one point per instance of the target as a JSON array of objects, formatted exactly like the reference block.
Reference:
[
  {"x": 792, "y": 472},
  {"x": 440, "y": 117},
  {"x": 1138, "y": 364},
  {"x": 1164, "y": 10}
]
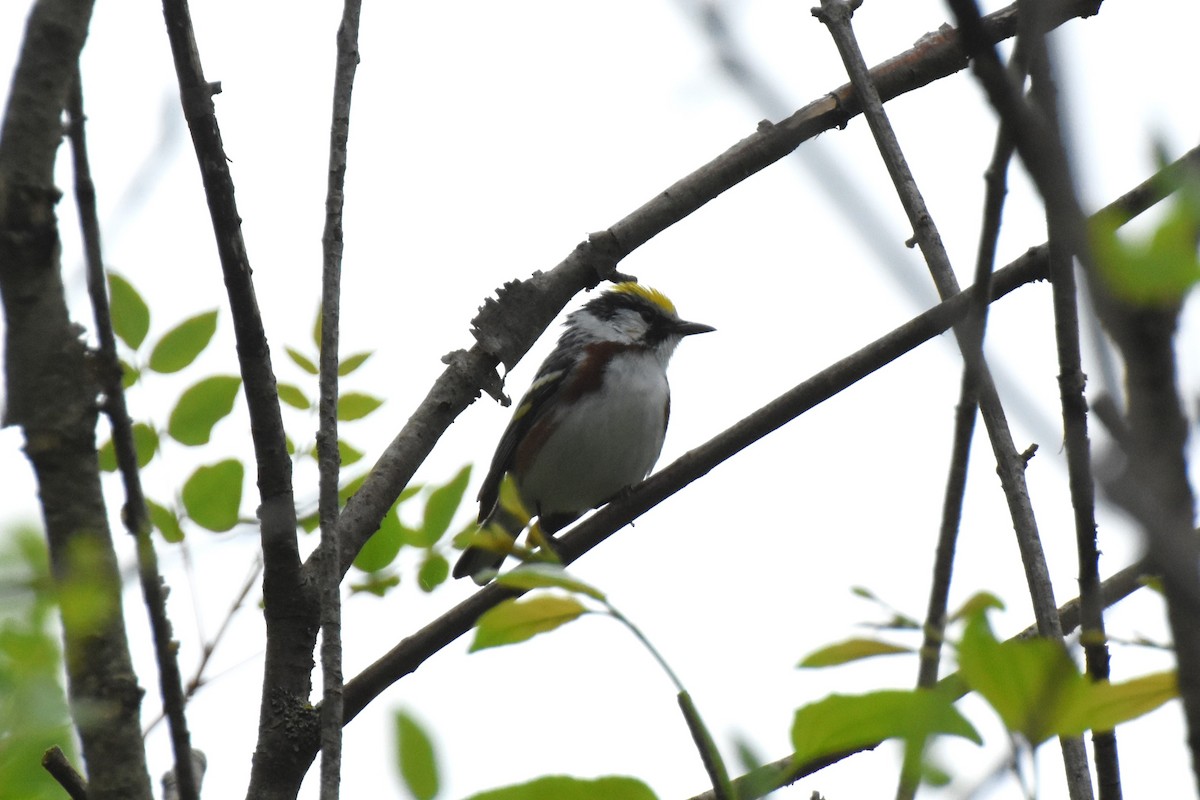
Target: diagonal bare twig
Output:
[{"x": 133, "y": 513}]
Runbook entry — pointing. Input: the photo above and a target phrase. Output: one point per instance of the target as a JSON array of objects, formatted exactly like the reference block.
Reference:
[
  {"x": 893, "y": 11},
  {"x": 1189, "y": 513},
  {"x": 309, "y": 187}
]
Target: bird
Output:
[{"x": 591, "y": 424}]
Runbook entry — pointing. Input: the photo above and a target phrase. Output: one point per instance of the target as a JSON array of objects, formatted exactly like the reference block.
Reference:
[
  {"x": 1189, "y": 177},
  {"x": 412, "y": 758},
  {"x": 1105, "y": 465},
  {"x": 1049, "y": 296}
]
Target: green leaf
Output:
[
  {"x": 179, "y": 346},
  {"x": 1029, "y": 682},
  {"x": 166, "y": 521},
  {"x": 107, "y": 457},
  {"x": 978, "y": 603},
  {"x": 130, "y": 314},
  {"x": 145, "y": 444},
  {"x": 433, "y": 572},
  {"x": 840, "y": 723},
  {"x": 351, "y": 363},
  {"x": 440, "y": 508},
  {"x": 510, "y": 500},
  {"x": 213, "y": 495},
  {"x": 1154, "y": 271},
  {"x": 201, "y": 407},
  {"x": 415, "y": 758},
  {"x": 376, "y": 583},
  {"x": 383, "y": 546},
  {"x": 129, "y": 374},
  {"x": 309, "y": 522},
  {"x": 1039, "y": 692},
  {"x": 1103, "y": 706},
  {"x": 356, "y": 405},
  {"x": 546, "y": 576},
  {"x": 519, "y": 619},
  {"x": 563, "y": 787},
  {"x": 348, "y": 453},
  {"x": 293, "y": 396},
  {"x": 302, "y": 361},
  {"x": 851, "y": 650}
]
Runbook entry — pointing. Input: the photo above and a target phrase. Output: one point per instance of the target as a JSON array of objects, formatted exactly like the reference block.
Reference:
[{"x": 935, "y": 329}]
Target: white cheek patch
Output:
[{"x": 625, "y": 327}]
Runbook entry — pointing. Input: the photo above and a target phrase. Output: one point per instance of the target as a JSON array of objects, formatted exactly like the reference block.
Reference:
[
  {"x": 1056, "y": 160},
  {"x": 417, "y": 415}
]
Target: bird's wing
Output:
[{"x": 533, "y": 406}]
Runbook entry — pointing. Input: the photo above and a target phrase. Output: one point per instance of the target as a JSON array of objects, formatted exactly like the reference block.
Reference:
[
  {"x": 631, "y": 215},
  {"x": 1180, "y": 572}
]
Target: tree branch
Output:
[
  {"x": 55, "y": 762},
  {"x": 134, "y": 515},
  {"x": 52, "y": 396},
  {"x": 290, "y": 605},
  {"x": 328, "y": 457}
]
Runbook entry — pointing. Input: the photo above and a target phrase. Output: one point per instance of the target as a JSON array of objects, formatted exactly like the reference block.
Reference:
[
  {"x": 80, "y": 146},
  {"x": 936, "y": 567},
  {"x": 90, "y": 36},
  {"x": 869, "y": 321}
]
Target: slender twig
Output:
[
  {"x": 197, "y": 679},
  {"x": 964, "y": 421},
  {"x": 995, "y": 181},
  {"x": 1072, "y": 380},
  {"x": 134, "y": 513},
  {"x": 710, "y": 755},
  {"x": 328, "y": 458},
  {"x": 55, "y": 762}
]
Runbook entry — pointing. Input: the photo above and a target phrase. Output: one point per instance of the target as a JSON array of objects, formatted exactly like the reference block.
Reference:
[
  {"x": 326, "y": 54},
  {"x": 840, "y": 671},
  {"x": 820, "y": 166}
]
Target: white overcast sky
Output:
[{"x": 487, "y": 139}]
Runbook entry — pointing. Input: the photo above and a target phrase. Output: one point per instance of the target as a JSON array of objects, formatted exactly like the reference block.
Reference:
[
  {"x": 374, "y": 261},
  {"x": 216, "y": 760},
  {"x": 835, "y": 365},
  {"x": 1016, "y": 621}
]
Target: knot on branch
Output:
[{"x": 603, "y": 251}]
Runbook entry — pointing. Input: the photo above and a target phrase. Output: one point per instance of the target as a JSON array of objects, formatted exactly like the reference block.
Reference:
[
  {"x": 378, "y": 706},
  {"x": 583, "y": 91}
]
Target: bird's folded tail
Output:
[{"x": 481, "y": 562}]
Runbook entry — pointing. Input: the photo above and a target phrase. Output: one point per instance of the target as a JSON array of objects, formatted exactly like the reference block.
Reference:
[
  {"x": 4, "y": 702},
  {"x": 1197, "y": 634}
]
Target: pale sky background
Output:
[{"x": 486, "y": 141}]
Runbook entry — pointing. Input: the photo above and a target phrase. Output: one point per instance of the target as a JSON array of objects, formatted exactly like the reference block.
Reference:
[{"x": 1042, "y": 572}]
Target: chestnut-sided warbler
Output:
[{"x": 593, "y": 421}]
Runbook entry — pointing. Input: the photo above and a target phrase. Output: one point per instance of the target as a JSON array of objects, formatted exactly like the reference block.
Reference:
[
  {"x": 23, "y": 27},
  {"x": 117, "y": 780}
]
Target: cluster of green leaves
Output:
[
  {"x": 211, "y": 496},
  {"x": 378, "y": 558},
  {"x": 33, "y": 706},
  {"x": 1033, "y": 685}
]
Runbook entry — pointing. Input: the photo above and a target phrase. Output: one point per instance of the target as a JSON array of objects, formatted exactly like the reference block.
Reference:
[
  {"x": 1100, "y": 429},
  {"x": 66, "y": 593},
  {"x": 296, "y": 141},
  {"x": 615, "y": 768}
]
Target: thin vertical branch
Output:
[
  {"x": 1072, "y": 381},
  {"x": 133, "y": 513},
  {"x": 328, "y": 457},
  {"x": 964, "y": 421},
  {"x": 836, "y": 14},
  {"x": 290, "y": 604}
]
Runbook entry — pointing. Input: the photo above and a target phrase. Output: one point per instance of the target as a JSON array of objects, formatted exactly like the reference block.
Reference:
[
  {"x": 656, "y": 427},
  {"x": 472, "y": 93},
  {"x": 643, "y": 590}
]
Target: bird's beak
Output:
[{"x": 685, "y": 328}]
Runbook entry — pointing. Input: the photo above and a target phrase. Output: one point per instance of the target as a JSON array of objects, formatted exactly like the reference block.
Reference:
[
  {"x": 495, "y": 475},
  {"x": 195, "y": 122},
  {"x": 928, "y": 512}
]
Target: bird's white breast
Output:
[{"x": 606, "y": 441}]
